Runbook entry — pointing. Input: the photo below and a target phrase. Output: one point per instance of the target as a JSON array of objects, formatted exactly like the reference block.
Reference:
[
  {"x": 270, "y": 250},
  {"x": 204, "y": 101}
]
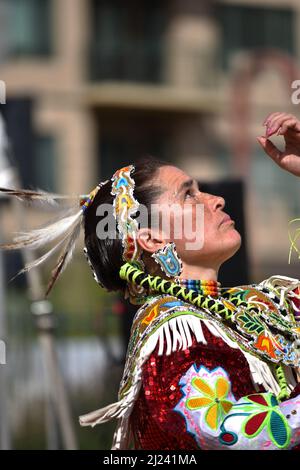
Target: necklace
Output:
[{"x": 212, "y": 288}]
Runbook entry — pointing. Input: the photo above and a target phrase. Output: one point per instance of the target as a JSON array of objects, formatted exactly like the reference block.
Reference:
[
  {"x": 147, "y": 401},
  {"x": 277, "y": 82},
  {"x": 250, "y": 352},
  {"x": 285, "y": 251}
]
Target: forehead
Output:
[{"x": 170, "y": 177}]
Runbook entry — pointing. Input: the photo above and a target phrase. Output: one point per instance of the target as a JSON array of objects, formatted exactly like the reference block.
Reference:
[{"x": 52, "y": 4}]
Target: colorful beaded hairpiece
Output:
[
  {"x": 87, "y": 200},
  {"x": 125, "y": 206}
]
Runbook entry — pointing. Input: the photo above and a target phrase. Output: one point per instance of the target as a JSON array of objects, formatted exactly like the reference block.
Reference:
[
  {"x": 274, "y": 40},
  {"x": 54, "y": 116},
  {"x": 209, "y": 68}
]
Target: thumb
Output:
[{"x": 270, "y": 149}]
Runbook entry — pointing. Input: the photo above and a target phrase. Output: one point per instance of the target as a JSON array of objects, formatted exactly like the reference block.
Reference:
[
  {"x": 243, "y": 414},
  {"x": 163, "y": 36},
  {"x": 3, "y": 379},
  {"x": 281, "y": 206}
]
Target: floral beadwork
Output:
[
  {"x": 210, "y": 410},
  {"x": 267, "y": 414},
  {"x": 262, "y": 414},
  {"x": 212, "y": 399},
  {"x": 268, "y": 344},
  {"x": 206, "y": 400}
]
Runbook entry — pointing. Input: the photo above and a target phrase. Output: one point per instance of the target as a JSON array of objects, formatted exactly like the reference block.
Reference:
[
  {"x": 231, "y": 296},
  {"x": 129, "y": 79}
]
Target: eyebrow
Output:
[{"x": 185, "y": 185}]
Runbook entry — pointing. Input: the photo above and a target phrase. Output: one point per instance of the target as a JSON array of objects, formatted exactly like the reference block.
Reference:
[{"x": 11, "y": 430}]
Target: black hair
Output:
[{"x": 105, "y": 254}]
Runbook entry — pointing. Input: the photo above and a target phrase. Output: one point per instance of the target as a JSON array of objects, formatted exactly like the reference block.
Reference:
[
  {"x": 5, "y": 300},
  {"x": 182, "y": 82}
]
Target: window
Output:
[
  {"x": 34, "y": 155},
  {"x": 125, "y": 137},
  {"x": 127, "y": 40},
  {"x": 36, "y": 164},
  {"x": 249, "y": 28},
  {"x": 117, "y": 151},
  {"x": 28, "y": 27},
  {"x": 45, "y": 163}
]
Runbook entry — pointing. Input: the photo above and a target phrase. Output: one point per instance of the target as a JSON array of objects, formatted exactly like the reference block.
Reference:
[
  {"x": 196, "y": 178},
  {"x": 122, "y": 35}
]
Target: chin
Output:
[
  {"x": 235, "y": 234},
  {"x": 233, "y": 243}
]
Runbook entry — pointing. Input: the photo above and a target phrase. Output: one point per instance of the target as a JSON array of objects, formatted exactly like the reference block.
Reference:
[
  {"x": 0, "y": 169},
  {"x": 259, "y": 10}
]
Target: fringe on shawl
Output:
[{"x": 284, "y": 287}]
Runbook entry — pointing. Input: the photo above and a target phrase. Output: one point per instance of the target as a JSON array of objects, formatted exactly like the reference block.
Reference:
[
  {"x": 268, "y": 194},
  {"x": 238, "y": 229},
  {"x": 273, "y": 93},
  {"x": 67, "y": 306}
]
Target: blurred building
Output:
[{"x": 105, "y": 81}]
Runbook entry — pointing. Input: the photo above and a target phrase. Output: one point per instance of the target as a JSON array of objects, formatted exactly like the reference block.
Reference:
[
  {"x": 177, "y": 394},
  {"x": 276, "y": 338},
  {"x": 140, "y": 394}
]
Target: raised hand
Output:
[{"x": 288, "y": 126}]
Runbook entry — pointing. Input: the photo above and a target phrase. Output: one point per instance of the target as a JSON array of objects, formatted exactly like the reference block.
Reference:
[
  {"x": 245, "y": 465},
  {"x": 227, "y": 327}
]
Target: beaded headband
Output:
[{"x": 125, "y": 206}]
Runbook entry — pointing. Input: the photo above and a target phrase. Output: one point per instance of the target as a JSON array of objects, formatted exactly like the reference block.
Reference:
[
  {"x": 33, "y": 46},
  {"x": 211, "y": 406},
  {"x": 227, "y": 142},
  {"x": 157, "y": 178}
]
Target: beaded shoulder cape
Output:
[{"x": 266, "y": 333}]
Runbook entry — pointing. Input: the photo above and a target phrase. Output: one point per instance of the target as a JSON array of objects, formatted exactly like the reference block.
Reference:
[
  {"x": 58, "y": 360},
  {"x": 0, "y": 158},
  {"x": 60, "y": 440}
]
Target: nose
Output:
[{"x": 217, "y": 202}]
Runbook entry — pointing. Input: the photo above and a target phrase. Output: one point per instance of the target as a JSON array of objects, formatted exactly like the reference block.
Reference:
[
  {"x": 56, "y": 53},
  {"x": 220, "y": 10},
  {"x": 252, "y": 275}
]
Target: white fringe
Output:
[
  {"x": 262, "y": 374},
  {"x": 122, "y": 408},
  {"x": 260, "y": 371},
  {"x": 175, "y": 335},
  {"x": 283, "y": 285},
  {"x": 218, "y": 332},
  {"x": 101, "y": 416}
]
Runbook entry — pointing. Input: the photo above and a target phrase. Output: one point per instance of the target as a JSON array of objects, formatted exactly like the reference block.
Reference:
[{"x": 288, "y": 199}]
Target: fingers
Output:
[
  {"x": 281, "y": 123},
  {"x": 275, "y": 123},
  {"x": 269, "y": 117},
  {"x": 292, "y": 123},
  {"x": 271, "y": 149}
]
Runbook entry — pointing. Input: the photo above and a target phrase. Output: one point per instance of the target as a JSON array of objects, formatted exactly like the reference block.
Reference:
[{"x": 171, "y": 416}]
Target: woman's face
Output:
[{"x": 206, "y": 239}]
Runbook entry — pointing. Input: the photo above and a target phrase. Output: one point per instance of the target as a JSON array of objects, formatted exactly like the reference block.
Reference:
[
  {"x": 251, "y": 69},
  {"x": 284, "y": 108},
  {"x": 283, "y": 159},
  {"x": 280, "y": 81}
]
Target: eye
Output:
[{"x": 190, "y": 193}]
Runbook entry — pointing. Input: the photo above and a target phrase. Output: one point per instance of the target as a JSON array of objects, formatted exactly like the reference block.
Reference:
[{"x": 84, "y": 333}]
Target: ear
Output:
[{"x": 150, "y": 240}]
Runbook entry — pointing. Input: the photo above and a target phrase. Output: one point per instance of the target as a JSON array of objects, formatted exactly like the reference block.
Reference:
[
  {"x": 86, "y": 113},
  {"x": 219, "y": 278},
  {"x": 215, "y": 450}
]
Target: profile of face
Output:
[{"x": 219, "y": 238}]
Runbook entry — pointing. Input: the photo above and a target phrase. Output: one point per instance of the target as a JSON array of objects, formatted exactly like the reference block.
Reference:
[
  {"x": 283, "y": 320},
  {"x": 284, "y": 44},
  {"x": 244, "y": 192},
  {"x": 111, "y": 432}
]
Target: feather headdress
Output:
[{"x": 63, "y": 232}]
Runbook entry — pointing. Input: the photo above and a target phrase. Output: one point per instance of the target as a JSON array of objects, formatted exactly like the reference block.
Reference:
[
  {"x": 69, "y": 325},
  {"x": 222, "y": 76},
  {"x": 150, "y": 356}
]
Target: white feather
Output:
[
  {"x": 65, "y": 257},
  {"x": 42, "y": 259},
  {"x": 70, "y": 247},
  {"x": 39, "y": 237}
]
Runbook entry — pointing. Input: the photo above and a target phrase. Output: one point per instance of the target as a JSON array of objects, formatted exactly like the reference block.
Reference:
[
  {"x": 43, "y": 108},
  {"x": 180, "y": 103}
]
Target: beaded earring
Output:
[{"x": 168, "y": 259}]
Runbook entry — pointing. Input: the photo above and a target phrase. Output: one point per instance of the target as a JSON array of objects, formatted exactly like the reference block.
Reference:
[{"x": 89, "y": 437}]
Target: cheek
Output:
[
  {"x": 183, "y": 223},
  {"x": 198, "y": 225},
  {"x": 216, "y": 235},
  {"x": 210, "y": 228}
]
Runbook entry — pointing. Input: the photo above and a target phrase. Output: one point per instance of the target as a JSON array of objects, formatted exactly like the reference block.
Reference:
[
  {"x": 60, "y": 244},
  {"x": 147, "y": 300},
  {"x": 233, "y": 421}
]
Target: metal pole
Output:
[
  {"x": 5, "y": 434},
  {"x": 35, "y": 293},
  {"x": 5, "y": 440},
  {"x": 57, "y": 398}
]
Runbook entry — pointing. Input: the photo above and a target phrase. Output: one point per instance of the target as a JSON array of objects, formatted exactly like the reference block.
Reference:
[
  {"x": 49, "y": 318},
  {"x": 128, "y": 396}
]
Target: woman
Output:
[{"x": 206, "y": 368}]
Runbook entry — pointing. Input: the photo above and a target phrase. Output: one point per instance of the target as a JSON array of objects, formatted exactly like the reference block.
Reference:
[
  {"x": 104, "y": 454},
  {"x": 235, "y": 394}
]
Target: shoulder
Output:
[
  {"x": 277, "y": 293},
  {"x": 163, "y": 316},
  {"x": 155, "y": 307},
  {"x": 168, "y": 324},
  {"x": 162, "y": 310}
]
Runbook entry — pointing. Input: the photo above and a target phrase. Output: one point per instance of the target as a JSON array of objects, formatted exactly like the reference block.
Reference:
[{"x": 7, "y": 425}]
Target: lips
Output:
[{"x": 225, "y": 219}]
